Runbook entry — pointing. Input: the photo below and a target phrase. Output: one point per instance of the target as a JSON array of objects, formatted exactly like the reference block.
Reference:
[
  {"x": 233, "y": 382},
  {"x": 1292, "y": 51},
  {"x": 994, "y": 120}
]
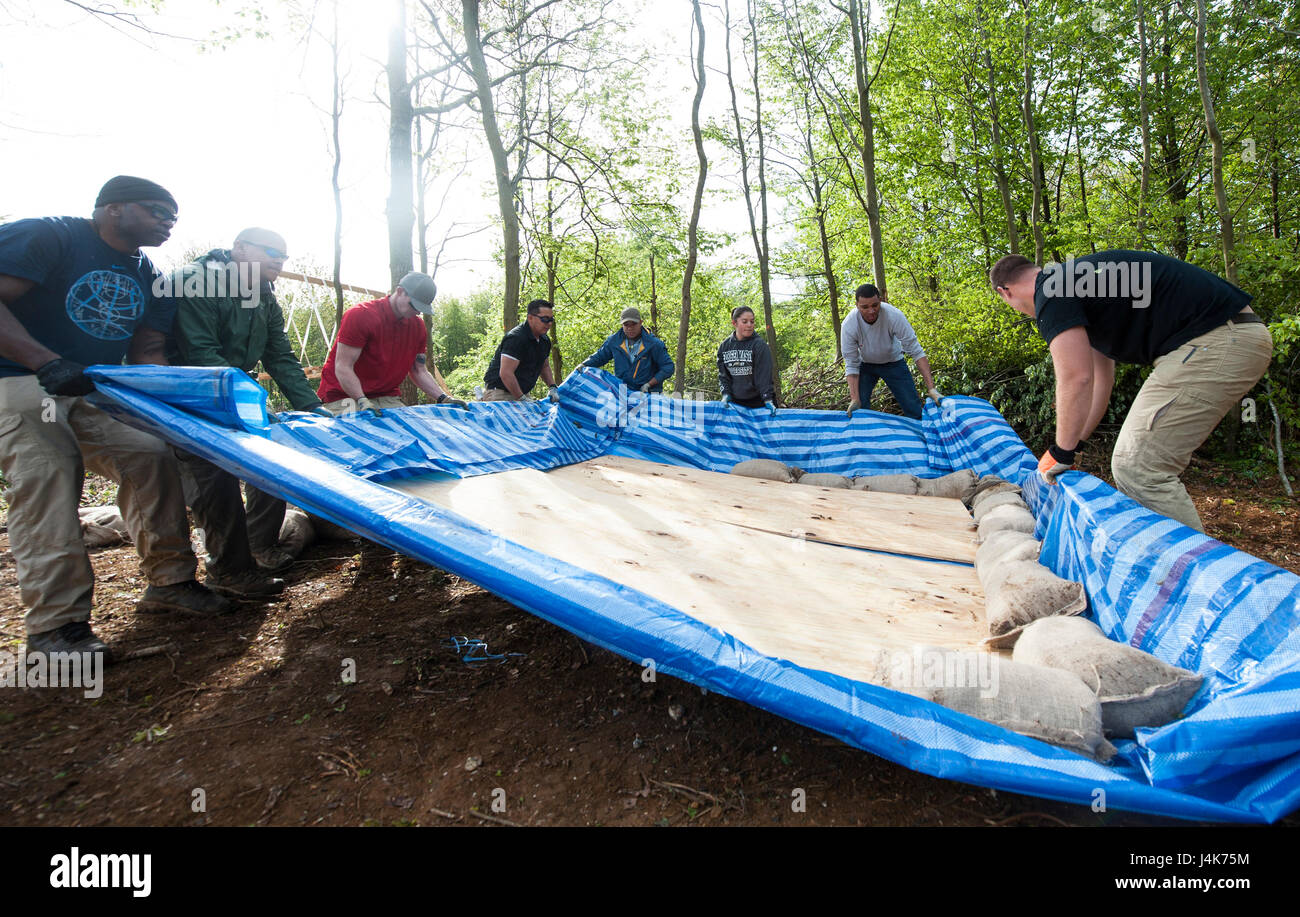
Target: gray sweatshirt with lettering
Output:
[{"x": 745, "y": 369}]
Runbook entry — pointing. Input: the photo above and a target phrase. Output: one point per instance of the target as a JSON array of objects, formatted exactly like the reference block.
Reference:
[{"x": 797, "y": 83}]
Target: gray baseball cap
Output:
[
  {"x": 630, "y": 314},
  {"x": 421, "y": 289}
]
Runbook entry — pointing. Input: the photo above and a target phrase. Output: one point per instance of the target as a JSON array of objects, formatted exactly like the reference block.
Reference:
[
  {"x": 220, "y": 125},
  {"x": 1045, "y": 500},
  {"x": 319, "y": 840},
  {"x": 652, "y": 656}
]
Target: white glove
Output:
[
  {"x": 553, "y": 393},
  {"x": 934, "y": 393}
]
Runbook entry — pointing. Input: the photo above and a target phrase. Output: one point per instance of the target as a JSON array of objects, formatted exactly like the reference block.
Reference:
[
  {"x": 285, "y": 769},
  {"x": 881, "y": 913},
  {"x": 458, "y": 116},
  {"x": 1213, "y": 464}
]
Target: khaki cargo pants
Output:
[
  {"x": 1187, "y": 394},
  {"x": 46, "y": 443},
  {"x": 346, "y": 405}
]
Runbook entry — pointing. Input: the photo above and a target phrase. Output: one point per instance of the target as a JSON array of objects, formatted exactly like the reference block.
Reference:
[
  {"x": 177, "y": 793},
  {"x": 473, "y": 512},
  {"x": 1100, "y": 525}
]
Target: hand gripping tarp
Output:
[{"x": 1151, "y": 582}]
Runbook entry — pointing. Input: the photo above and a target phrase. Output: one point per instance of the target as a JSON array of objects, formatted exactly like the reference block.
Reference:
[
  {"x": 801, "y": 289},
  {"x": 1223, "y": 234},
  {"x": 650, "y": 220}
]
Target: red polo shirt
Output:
[{"x": 389, "y": 346}]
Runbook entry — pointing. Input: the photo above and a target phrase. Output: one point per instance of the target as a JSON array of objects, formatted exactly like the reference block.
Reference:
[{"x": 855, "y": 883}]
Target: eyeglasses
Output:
[
  {"x": 275, "y": 253},
  {"x": 159, "y": 213},
  {"x": 546, "y": 319}
]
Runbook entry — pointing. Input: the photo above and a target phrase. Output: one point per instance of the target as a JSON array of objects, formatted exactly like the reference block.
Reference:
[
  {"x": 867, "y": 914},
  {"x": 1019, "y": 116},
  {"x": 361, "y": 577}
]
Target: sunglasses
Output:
[
  {"x": 275, "y": 253},
  {"x": 546, "y": 319},
  {"x": 161, "y": 214}
]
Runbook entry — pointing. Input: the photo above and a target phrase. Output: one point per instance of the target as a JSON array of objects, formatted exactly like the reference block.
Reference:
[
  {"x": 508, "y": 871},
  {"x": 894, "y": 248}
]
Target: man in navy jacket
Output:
[{"x": 641, "y": 360}]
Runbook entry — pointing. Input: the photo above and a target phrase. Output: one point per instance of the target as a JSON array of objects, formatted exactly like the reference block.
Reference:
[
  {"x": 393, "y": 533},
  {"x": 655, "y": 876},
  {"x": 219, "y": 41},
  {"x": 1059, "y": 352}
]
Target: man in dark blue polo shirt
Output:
[
  {"x": 1207, "y": 346},
  {"x": 75, "y": 292},
  {"x": 521, "y": 357}
]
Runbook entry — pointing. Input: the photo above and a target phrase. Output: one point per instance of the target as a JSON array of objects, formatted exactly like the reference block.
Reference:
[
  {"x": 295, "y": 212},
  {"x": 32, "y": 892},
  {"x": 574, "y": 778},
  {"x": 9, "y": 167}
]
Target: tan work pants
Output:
[
  {"x": 496, "y": 394},
  {"x": 46, "y": 444},
  {"x": 1187, "y": 394},
  {"x": 347, "y": 405}
]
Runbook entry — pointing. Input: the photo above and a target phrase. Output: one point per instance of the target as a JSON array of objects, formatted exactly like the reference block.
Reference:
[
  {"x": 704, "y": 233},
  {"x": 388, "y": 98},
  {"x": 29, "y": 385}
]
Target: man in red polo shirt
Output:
[{"x": 380, "y": 343}]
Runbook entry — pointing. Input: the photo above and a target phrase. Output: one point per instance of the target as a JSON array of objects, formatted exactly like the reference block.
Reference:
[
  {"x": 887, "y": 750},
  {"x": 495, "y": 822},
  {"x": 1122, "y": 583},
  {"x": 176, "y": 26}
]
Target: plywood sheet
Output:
[
  {"x": 936, "y": 527},
  {"x": 823, "y": 606}
]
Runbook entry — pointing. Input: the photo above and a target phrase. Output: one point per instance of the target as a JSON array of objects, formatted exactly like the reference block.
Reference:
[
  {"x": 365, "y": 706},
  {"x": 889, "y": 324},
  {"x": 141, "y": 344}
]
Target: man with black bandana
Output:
[
  {"x": 74, "y": 292},
  {"x": 1207, "y": 346}
]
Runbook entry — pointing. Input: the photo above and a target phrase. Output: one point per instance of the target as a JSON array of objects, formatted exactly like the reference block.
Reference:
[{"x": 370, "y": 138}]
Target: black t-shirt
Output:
[
  {"x": 531, "y": 354},
  {"x": 1136, "y": 306},
  {"x": 86, "y": 298}
]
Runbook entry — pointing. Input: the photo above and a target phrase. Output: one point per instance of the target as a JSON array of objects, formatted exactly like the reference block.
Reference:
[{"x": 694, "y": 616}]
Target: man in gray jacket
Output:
[{"x": 873, "y": 340}]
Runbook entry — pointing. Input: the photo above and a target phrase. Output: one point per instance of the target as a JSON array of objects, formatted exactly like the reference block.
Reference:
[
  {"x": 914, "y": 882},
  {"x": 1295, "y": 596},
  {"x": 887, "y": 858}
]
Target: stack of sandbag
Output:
[
  {"x": 768, "y": 470},
  {"x": 1035, "y": 611},
  {"x": 959, "y": 485},
  {"x": 1134, "y": 689},
  {"x": 997, "y": 506},
  {"x": 296, "y": 532},
  {"x": 1048, "y": 704},
  {"x": 103, "y": 526},
  {"x": 1018, "y": 590}
]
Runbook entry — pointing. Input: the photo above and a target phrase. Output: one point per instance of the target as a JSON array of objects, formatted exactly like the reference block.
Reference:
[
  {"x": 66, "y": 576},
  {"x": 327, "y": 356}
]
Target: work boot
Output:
[
  {"x": 190, "y": 597},
  {"x": 73, "y": 637},
  {"x": 251, "y": 584},
  {"x": 273, "y": 560}
]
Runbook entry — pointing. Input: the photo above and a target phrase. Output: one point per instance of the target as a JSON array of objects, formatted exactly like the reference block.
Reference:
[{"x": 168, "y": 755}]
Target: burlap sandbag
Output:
[
  {"x": 959, "y": 485},
  {"x": 1002, "y": 487},
  {"x": 826, "y": 480},
  {"x": 1049, "y": 704},
  {"x": 1134, "y": 688},
  {"x": 767, "y": 470},
  {"x": 102, "y": 526},
  {"x": 1002, "y": 518},
  {"x": 990, "y": 503},
  {"x": 1002, "y": 548},
  {"x": 988, "y": 482},
  {"x": 1021, "y": 592},
  {"x": 887, "y": 484},
  {"x": 296, "y": 532}
]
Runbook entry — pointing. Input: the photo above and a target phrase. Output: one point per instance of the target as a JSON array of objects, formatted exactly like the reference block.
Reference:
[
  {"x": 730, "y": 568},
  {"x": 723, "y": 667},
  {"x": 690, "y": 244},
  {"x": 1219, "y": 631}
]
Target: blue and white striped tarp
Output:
[{"x": 1151, "y": 582}]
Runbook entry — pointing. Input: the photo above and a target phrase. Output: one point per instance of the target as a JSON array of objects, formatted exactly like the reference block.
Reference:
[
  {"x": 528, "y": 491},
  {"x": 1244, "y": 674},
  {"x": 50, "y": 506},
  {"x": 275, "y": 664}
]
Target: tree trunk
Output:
[
  {"x": 1172, "y": 154},
  {"x": 1144, "y": 184},
  {"x": 868, "y": 143},
  {"x": 1216, "y": 149},
  {"x": 1035, "y": 161},
  {"x": 819, "y": 210},
  {"x": 336, "y": 113},
  {"x": 654, "y": 297},
  {"x": 1232, "y": 421},
  {"x": 764, "y": 265},
  {"x": 995, "y": 125},
  {"x": 552, "y": 261},
  {"x": 757, "y": 228},
  {"x": 500, "y": 161},
  {"x": 401, "y": 210},
  {"x": 692, "y": 237}
]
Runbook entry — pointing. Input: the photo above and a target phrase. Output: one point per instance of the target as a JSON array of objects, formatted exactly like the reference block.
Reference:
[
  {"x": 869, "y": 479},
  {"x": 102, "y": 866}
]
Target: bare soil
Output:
[{"x": 251, "y": 710}]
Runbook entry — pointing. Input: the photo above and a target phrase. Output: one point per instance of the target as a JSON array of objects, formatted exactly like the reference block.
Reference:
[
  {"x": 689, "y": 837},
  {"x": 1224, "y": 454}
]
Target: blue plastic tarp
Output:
[{"x": 1186, "y": 598}]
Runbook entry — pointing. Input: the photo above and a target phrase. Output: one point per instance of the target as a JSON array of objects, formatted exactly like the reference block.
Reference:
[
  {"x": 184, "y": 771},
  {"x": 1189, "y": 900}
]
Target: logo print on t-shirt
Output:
[{"x": 105, "y": 304}]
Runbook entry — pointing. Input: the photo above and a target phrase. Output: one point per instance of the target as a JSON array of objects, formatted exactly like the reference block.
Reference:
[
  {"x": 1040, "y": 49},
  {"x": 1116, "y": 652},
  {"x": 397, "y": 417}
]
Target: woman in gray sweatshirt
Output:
[{"x": 745, "y": 364}]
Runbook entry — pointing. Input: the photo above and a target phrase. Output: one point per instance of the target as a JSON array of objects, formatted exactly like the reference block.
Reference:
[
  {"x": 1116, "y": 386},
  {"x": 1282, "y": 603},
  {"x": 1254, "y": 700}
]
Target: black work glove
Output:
[{"x": 64, "y": 377}]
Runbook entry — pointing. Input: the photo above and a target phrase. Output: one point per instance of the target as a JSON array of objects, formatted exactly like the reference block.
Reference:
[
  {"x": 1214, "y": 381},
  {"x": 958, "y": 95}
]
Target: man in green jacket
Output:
[{"x": 227, "y": 315}]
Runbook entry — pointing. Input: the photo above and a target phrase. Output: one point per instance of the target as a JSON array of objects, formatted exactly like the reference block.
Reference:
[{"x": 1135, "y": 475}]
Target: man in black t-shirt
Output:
[
  {"x": 1207, "y": 346},
  {"x": 521, "y": 357},
  {"x": 75, "y": 292}
]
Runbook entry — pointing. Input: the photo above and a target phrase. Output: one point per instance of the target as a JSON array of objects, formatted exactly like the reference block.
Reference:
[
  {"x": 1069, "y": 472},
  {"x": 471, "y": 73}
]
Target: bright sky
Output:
[{"x": 240, "y": 135}]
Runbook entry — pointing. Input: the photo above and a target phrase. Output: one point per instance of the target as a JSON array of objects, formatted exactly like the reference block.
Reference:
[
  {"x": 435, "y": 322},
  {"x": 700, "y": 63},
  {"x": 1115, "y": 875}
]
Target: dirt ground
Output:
[{"x": 244, "y": 719}]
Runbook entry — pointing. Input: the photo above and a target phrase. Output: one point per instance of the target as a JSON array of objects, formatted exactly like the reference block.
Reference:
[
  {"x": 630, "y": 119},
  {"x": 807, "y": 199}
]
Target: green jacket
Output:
[{"x": 213, "y": 328}]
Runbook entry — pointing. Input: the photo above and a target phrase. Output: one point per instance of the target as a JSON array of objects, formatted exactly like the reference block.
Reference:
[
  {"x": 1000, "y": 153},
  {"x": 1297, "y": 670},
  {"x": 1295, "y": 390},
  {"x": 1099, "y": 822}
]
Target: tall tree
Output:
[
  {"x": 757, "y": 224},
  {"x": 692, "y": 232},
  {"x": 401, "y": 205}
]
